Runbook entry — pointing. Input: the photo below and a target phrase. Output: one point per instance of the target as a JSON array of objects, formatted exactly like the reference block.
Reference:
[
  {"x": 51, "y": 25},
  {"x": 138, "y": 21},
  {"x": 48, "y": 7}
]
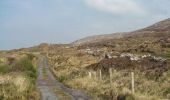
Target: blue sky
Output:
[{"x": 25, "y": 23}]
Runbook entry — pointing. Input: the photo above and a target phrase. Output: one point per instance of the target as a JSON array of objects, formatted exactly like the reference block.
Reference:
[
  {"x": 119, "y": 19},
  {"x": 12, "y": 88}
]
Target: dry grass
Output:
[
  {"x": 18, "y": 78},
  {"x": 70, "y": 68},
  {"x": 103, "y": 90}
]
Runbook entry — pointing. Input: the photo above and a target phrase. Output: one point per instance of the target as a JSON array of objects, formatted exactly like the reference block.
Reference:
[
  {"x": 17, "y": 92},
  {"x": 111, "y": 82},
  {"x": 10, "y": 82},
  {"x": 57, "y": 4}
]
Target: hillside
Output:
[
  {"x": 162, "y": 26},
  {"x": 153, "y": 39},
  {"x": 98, "y": 38}
]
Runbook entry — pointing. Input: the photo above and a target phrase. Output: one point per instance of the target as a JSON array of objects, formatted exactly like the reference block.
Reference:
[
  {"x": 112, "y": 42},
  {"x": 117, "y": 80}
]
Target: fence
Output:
[{"x": 93, "y": 74}]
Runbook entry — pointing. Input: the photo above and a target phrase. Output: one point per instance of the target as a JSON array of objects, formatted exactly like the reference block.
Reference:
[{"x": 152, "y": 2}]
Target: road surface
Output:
[{"x": 46, "y": 85}]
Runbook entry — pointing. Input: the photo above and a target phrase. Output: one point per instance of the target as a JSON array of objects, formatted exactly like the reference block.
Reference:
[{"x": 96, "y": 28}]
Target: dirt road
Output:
[{"x": 46, "y": 83}]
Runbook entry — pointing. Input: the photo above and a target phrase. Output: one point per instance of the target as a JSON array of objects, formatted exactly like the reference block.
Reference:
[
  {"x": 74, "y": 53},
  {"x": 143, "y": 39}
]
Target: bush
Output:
[
  {"x": 25, "y": 65},
  {"x": 30, "y": 56},
  {"x": 4, "y": 69},
  {"x": 125, "y": 97},
  {"x": 11, "y": 60},
  {"x": 62, "y": 78},
  {"x": 166, "y": 92}
]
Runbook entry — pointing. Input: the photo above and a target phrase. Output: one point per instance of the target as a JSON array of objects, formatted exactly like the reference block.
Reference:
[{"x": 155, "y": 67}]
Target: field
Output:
[
  {"x": 101, "y": 74},
  {"x": 87, "y": 71}
]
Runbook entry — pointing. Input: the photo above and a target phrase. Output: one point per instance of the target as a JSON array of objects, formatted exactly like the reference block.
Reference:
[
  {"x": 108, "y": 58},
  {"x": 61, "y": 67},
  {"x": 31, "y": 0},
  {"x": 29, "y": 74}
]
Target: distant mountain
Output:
[
  {"x": 98, "y": 38},
  {"x": 152, "y": 39},
  {"x": 154, "y": 30},
  {"x": 160, "y": 26}
]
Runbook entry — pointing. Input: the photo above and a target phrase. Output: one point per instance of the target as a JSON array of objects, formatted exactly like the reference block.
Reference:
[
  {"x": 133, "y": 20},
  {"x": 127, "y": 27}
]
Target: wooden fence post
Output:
[
  {"x": 90, "y": 75},
  {"x": 133, "y": 83}
]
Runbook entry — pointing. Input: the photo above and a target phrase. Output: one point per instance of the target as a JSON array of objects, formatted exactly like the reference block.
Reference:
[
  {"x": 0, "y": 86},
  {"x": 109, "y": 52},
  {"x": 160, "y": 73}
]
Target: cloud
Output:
[{"x": 117, "y": 6}]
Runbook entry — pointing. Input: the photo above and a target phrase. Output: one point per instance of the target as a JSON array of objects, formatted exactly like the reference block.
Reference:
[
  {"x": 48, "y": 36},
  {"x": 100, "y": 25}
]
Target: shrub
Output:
[
  {"x": 4, "y": 69},
  {"x": 11, "y": 60},
  {"x": 25, "y": 65},
  {"x": 30, "y": 56},
  {"x": 125, "y": 97},
  {"x": 166, "y": 92},
  {"x": 62, "y": 78}
]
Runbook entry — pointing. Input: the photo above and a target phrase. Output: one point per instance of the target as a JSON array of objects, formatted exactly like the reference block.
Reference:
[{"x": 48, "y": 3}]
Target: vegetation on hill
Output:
[
  {"x": 18, "y": 76},
  {"x": 72, "y": 67},
  {"x": 154, "y": 39}
]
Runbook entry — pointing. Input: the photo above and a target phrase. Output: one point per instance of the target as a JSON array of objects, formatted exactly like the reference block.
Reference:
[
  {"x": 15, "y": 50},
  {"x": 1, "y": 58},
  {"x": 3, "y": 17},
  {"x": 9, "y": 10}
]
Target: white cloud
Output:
[{"x": 117, "y": 6}]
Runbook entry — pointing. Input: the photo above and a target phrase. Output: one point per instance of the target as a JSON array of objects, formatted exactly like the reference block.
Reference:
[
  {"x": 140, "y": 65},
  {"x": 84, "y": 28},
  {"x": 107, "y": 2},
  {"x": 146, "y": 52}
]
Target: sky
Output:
[{"x": 25, "y": 23}]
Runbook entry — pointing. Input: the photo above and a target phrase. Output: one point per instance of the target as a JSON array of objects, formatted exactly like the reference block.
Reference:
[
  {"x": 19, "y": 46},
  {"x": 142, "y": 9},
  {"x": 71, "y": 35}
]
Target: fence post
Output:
[
  {"x": 133, "y": 83},
  {"x": 100, "y": 74},
  {"x": 90, "y": 75}
]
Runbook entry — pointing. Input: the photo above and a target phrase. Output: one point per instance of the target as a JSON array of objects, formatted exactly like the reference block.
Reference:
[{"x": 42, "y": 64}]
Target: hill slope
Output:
[
  {"x": 159, "y": 29},
  {"x": 98, "y": 38},
  {"x": 152, "y": 39}
]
